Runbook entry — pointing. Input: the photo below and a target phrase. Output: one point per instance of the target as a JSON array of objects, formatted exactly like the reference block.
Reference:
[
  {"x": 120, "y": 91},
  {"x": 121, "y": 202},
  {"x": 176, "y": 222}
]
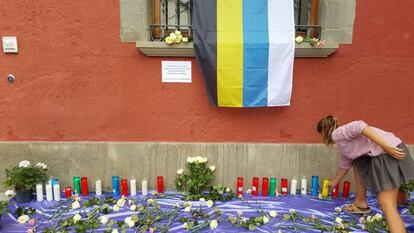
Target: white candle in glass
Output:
[
  {"x": 56, "y": 192},
  {"x": 98, "y": 187},
  {"x": 49, "y": 192},
  {"x": 293, "y": 186},
  {"x": 303, "y": 186},
  {"x": 133, "y": 186},
  {"x": 39, "y": 192},
  {"x": 144, "y": 187}
]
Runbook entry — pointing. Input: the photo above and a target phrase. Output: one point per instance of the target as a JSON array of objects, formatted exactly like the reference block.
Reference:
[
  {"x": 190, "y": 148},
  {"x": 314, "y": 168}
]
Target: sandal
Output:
[{"x": 353, "y": 209}]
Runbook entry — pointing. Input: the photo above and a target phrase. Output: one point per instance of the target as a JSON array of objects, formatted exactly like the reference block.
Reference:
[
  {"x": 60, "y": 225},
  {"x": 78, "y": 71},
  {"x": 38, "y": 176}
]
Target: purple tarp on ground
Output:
[{"x": 304, "y": 205}]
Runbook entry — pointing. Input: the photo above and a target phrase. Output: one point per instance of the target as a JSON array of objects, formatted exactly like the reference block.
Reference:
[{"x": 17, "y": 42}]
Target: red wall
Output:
[{"x": 75, "y": 80}]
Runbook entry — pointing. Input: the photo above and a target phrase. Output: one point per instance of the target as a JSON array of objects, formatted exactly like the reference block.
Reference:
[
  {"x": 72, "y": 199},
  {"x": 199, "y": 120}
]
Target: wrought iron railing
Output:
[{"x": 171, "y": 15}]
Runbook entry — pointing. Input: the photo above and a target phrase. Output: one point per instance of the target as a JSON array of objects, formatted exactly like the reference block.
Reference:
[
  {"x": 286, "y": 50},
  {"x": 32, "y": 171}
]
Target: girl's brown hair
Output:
[{"x": 325, "y": 127}]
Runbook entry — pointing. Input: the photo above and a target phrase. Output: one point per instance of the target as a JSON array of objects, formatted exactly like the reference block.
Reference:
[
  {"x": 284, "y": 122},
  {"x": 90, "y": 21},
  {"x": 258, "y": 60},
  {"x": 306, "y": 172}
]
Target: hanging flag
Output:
[{"x": 245, "y": 49}]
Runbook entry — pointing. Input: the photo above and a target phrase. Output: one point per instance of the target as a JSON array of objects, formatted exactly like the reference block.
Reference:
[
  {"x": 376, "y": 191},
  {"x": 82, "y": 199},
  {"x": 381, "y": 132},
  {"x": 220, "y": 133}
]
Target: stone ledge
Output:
[{"x": 161, "y": 49}]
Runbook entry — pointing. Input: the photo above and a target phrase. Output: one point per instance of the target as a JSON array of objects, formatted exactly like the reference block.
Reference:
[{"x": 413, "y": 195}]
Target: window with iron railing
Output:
[{"x": 171, "y": 15}]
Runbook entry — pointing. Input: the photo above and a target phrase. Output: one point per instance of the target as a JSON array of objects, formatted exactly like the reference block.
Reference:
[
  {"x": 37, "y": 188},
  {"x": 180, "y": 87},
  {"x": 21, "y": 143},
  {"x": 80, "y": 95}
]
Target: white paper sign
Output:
[{"x": 176, "y": 71}]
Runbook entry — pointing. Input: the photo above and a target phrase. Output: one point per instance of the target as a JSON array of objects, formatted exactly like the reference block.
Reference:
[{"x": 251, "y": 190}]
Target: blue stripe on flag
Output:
[{"x": 255, "y": 53}]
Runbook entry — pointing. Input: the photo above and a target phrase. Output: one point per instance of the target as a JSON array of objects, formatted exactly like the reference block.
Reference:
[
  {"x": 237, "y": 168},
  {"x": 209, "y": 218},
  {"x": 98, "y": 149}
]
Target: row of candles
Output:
[
  {"x": 80, "y": 187},
  {"x": 269, "y": 187}
]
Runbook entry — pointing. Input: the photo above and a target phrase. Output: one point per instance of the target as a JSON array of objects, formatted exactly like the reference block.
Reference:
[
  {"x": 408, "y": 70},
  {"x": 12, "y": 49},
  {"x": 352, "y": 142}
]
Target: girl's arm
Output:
[
  {"x": 340, "y": 174},
  {"x": 395, "y": 152}
]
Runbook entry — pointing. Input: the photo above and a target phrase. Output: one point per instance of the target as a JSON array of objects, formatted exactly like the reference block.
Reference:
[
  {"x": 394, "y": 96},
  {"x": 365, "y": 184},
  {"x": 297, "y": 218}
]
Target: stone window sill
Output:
[{"x": 161, "y": 49}]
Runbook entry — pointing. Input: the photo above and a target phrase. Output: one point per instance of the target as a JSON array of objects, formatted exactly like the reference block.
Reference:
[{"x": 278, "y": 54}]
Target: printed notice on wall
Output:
[{"x": 176, "y": 71}]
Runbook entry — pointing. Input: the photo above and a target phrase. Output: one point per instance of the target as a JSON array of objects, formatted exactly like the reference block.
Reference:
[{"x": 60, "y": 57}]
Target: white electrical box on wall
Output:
[{"x": 10, "y": 44}]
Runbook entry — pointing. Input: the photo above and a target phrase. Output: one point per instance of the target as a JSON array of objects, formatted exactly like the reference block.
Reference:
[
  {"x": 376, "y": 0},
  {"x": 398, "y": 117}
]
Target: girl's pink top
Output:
[{"x": 352, "y": 144}]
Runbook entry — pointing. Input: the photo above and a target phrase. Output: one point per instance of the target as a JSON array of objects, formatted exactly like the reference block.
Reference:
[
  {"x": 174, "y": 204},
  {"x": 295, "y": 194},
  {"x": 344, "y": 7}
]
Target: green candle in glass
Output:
[
  {"x": 272, "y": 187},
  {"x": 76, "y": 185}
]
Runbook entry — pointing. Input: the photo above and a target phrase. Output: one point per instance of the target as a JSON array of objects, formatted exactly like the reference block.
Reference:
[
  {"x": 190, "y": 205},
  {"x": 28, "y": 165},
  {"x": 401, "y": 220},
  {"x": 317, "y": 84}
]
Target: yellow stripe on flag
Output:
[{"x": 229, "y": 53}]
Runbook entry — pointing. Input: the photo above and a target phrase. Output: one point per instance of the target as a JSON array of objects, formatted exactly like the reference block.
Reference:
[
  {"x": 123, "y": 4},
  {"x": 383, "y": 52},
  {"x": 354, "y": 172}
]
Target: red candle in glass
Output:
[
  {"x": 239, "y": 185},
  {"x": 124, "y": 187},
  {"x": 84, "y": 186},
  {"x": 255, "y": 187},
  {"x": 160, "y": 184},
  {"x": 345, "y": 192},
  {"x": 265, "y": 186},
  {"x": 335, "y": 191},
  {"x": 68, "y": 192},
  {"x": 284, "y": 185}
]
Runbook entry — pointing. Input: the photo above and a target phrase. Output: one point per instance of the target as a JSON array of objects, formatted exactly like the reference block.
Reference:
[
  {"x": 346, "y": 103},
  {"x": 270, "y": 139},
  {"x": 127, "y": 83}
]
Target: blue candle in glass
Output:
[
  {"x": 115, "y": 185},
  {"x": 315, "y": 185}
]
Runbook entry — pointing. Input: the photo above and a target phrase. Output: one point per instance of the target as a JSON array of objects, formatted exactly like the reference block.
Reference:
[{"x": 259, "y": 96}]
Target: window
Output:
[
  {"x": 171, "y": 15},
  {"x": 146, "y": 22}
]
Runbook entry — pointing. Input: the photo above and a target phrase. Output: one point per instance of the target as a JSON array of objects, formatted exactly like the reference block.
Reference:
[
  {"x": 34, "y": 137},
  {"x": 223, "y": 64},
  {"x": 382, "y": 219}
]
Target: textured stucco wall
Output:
[{"x": 76, "y": 81}]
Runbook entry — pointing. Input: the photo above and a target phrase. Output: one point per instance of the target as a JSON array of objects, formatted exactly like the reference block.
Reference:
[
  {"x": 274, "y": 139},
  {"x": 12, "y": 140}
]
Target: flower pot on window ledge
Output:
[{"x": 24, "y": 196}]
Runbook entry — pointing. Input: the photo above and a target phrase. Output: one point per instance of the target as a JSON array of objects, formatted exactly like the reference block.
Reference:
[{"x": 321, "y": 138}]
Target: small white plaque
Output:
[
  {"x": 176, "y": 71},
  {"x": 10, "y": 44}
]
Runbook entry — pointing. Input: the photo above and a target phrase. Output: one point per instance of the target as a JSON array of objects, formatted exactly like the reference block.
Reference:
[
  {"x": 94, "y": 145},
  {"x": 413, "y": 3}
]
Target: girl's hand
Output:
[
  {"x": 331, "y": 184},
  {"x": 395, "y": 152}
]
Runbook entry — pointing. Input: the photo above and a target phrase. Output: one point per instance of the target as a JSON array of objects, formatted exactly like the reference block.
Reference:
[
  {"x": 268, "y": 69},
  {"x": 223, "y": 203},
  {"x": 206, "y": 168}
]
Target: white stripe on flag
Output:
[{"x": 281, "y": 51}]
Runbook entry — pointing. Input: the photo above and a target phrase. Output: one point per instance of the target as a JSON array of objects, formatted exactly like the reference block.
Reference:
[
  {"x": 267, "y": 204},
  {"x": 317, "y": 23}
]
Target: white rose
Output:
[
  {"x": 199, "y": 159},
  {"x": 210, "y": 203},
  {"x": 205, "y": 160},
  {"x": 23, "y": 219},
  {"x": 184, "y": 40},
  {"x": 177, "y": 205},
  {"x": 369, "y": 218},
  {"x": 227, "y": 189},
  {"x": 212, "y": 168},
  {"x": 244, "y": 220},
  {"x": 121, "y": 202},
  {"x": 116, "y": 208},
  {"x": 202, "y": 199},
  {"x": 172, "y": 36},
  {"x": 249, "y": 191},
  {"x": 150, "y": 201},
  {"x": 76, "y": 218},
  {"x": 168, "y": 40},
  {"x": 104, "y": 220},
  {"x": 180, "y": 171},
  {"x": 338, "y": 210},
  {"x": 177, "y": 40},
  {"x": 187, "y": 209},
  {"x": 362, "y": 220},
  {"x": 299, "y": 39},
  {"x": 133, "y": 207},
  {"x": 185, "y": 225},
  {"x": 338, "y": 220},
  {"x": 239, "y": 213},
  {"x": 279, "y": 231},
  {"x": 24, "y": 163},
  {"x": 377, "y": 216},
  {"x": 187, "y": 203},
  {"x": 9, "y": 193},
  {"x": 41, "y": 165},
  {"x": 115, "y": 231},
  {"x": 292, "y": 211},
  {"x": 190, "y": 160},
  {"x": 75, "y": 205},
  {"x": 273, "y": 214},
  {"x": 177, "y": 32},
  {"x": 128, "y": 221},
  {"x": 213, "y": 224},
  {"x": 265, "y": 219}
]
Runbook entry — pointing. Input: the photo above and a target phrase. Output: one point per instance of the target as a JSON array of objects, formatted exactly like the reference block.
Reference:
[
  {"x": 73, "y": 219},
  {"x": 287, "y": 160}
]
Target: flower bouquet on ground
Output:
[
  {"x": 196, "y": 178},
  {"x": 24, "y": 177}
]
